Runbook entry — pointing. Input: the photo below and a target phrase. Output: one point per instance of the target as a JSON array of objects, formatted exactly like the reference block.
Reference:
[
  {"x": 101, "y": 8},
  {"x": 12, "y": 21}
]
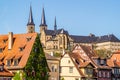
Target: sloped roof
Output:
[
  {"x": 105, "y": 38},
  {"x": 89, "y": 51},
  {"x": 84, "y": 64},
  {"x": 49, "y": 32},
  {"x": 114, "y": 60},
  {"x": 19, "y": 40},
  {"x": 5, "y": 72},
  {"x": 71, "y": 57},
  {"x": 77, "y": 54},
  {"x": 55, "y": 32},
  {"x": 93, "y": 39},
  {"x": 83, "y": 39}
]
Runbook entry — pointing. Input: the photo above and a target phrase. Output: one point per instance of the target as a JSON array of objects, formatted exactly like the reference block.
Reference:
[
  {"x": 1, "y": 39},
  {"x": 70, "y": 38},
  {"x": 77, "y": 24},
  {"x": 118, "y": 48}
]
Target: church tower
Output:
[
  {"x": 30, "y": 24},
  {"x": 43, "y": 25}
]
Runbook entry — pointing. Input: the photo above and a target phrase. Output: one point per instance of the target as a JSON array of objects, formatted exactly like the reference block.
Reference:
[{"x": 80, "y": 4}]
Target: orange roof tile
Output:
[
  {"x": 19, "y": 40},
  {"x": 84, "y": 64},
  {"x": 18, "y": 56},
  {"x": 114, "y": 60},
  {"x": 5, "y": 72}
]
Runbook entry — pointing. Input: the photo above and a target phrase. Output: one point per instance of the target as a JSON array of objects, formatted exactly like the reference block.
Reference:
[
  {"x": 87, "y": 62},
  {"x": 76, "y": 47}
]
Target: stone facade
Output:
[{"x": 58, "y": 40}]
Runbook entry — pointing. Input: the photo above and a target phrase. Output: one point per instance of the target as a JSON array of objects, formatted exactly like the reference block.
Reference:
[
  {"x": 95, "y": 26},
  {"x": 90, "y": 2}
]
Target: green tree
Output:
[
  {"x": 17, "y": 76},
  {"x": 103, "y": 53},
  {"x": 36, "y": 67}
]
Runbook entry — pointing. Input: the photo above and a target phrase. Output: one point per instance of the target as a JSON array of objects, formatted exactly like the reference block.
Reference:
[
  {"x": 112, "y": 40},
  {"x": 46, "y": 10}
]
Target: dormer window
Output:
[
  {"x": 28, "y": 38},
  {"x": 8, "y": 62},
  {"x": 21, "y": 48},
  {"x": 15, "y": 62},
  {"x": 5, "y": 40},
  {"x": 1, "y": 50},
  {"x": 17, "y": 59}
]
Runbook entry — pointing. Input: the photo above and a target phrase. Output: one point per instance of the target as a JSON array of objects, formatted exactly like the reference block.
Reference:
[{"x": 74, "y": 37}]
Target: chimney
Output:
[{"x": 10, "y": 40}]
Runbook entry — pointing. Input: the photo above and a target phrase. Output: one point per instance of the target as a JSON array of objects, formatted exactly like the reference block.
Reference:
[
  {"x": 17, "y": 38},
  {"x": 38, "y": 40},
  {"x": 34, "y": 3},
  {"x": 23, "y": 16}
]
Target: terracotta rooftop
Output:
[
  {"x": 22, "y": 46},
  {"x": 114, "y": 60},
  {"x": 5, "y": 72}
]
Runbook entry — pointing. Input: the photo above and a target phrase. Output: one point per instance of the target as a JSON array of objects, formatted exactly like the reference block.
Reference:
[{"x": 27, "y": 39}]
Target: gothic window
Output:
[
  {"x": 60, "y": 40},
  {"x": 64, "y": 40}
]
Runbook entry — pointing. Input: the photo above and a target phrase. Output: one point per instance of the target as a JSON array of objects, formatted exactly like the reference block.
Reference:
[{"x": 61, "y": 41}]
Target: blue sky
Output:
[{"x": 79, "y": 17}]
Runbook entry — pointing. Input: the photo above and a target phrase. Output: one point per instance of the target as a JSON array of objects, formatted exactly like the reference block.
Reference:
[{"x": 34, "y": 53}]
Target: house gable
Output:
[{"x": 66, "y": 64}]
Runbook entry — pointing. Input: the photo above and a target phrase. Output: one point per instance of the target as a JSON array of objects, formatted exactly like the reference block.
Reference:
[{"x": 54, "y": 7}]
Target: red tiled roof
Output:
[
  {"x": 114, "y": 60},
  {"x": 84, "y": 64},
  {"x": 87, "y": 55},
  {"x": 19, "y": 40},
  {"x": 5, "y": 72}
]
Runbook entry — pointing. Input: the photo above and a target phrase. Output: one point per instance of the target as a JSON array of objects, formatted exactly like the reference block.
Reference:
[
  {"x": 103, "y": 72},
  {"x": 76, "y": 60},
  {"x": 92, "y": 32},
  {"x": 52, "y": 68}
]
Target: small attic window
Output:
[
  {"x": 15, "y": 62},
  {"x": 17, "y": 59},
  {"x": 21, "y": 48},
  {"x": 8, "y": 62},
  {"x": 5, "y": 40},
  {"x": 1, "y": 50},
  {"x": 29, "y": 38}
]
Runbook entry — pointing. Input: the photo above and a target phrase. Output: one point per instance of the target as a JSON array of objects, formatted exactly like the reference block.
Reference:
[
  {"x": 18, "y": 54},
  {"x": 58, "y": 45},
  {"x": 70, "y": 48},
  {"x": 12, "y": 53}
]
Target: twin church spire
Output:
[
  {"x": 30, "y": 20},
  {"x": 43, "y": 25},
  {"x": 43, "y": 21}
]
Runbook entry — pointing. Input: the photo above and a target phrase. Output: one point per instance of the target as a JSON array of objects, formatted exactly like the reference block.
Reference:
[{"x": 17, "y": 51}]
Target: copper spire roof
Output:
[
  {"x": 43, "y": 21},
  {"x": 55, "y": 25},
  {"x": 30, "y": 20}
]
